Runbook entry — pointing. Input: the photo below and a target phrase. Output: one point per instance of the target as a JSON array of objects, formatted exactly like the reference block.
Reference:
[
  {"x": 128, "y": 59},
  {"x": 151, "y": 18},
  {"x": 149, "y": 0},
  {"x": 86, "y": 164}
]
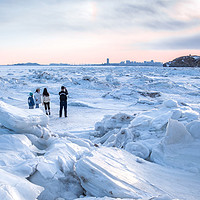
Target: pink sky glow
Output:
[{"x": 90, "y": 31}]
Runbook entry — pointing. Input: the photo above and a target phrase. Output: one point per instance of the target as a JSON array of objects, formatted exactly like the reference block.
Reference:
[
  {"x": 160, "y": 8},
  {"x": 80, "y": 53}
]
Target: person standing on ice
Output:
[
  {"x": 37, "y": 98},
  {"x": 31, "y": 102},
  {"x": 46, "y": 101},
  {"x": 63, "y": 100}
]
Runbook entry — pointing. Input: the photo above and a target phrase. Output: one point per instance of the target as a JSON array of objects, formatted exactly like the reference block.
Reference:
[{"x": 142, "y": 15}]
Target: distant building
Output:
[{"x": 108, "y": 62}]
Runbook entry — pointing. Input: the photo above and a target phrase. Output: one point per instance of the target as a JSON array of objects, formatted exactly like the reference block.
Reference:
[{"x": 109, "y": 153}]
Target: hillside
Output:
[{"x": 184, "y": 61}]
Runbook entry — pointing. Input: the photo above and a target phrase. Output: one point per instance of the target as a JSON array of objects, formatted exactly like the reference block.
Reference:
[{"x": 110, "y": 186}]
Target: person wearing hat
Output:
[
  {"x": 31, "y": 102},
  {"x": 37, "y": 98},
  {"x": 63, "y": 100}
]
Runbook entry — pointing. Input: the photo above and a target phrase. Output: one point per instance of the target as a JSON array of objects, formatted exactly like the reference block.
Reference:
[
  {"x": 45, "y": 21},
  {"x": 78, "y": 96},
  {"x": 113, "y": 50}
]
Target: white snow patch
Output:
[
  {"x": 138, "y": 149},
  {"x": 194, "y": 128},
  {"x": 170, "y": 103},
  {"x": 178, "y": 149},
  {"x": 30, "y": 121},
  {"x": 12, "y": 187},
  {"x": 115, "y": 173},
  {"x": 176, "y": 133}
]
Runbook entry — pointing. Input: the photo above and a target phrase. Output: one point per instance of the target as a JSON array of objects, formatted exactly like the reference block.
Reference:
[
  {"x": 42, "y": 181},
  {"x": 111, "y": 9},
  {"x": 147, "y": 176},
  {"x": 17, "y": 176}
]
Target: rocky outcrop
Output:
[{"x": 184, "y": 61}]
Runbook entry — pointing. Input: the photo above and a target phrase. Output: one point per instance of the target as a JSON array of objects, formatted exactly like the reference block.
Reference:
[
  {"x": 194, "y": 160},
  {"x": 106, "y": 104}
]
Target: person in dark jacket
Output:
[
  {"x": 31, "y": 102},
  {"x": 63, "y": 100}
]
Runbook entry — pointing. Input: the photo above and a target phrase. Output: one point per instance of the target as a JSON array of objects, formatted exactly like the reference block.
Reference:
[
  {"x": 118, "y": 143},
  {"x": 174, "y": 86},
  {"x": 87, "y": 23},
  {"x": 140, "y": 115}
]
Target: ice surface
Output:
[
  {"x": 23, "y": 120},
  {"x": 170, "y": 103},
  {"x": 55, "y": 172},
  {"x": 116, "y": 173},
  {"x": 17, "y": 155},
  {"x": 13, "y": 187},
  {"x": 151, "y": 112},
  {"x": 138, "y": 149},
  {"x": 177, "y": 133},
  {"x": 178, "y": 148},
  {"x": 194, "y": 128}
]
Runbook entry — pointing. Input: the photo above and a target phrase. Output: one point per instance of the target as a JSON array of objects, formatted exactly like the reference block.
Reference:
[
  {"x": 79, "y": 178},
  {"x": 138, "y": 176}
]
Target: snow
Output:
[
  {"x": 12, "y": 187},
  {"x": 170, "y": 103},
  {"x": 115, "y": 173},
  {"x": 23, "y": 121},
  {"x": 178, "y": 148},
  {"x": 17, "y": 155},
  {"x": 131, "y": 132},
  {"x": 194, "y": 128},
  {"x": 138, "y": 149},
  {"x": 176, "y": 133}
]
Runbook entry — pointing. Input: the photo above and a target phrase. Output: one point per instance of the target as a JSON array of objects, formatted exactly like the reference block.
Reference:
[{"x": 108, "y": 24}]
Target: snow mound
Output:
[
  {"x": 190, "y": 115},
  {"x": 112, "y": 122},
  {"x": 17, "y": 155},
  {"x": 89, "y": 78},
  {"x": 79, "y": 104},
  {"x": 112, "y": 80},
  {"x": 28, "y": 121},
  {"x": 159, "y": 122},
  {"x": 138, "y": 149},
  {"x": 161, "y": 197},
  {"x": 178, "y": 148},
  {"x": 116, "y": 173},
  {"x": 170, "y": 103},
  {"x": 55, "y": 171},
  {"x": 194, "y": 129},
  {"x": 176, "y": 114},
  {"x": 142, "y": 134},
  {"x": 123, "y": 93},
  {"x": 177, "y": 133},
  {"x": 12, "y": 187},
  {"x": 141, "y": 120}
]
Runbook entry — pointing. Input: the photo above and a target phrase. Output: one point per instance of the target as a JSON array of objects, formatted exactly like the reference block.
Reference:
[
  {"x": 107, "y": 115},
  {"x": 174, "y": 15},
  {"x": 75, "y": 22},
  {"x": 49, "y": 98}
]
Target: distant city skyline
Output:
[
  {"x": 88, "y": 31},
  {"x": 122, "y": 63}
]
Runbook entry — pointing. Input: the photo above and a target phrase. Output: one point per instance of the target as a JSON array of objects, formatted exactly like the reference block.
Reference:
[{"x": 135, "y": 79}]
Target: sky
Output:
[{"x": 90, "y": 31}]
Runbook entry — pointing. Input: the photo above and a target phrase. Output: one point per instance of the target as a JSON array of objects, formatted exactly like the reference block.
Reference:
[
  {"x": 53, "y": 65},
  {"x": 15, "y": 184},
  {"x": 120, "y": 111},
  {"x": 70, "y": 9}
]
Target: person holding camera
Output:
[{"x": 63, "y": 100}]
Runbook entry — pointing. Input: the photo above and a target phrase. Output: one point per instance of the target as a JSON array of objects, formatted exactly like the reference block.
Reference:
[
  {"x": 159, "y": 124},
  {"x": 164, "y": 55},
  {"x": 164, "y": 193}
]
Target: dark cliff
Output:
[{"x": 184, "y": 61}]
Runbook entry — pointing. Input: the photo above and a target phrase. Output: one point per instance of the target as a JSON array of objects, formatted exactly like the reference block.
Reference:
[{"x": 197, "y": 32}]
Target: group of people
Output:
[{"x": 34, "y": 100}]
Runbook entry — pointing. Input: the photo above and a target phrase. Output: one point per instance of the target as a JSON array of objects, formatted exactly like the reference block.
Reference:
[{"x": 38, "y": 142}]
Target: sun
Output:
[{"x": 91, "y": 10}]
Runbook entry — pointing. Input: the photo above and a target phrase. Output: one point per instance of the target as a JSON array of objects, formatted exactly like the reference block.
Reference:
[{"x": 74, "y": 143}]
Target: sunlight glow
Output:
[{"x": 90, "y": 10}]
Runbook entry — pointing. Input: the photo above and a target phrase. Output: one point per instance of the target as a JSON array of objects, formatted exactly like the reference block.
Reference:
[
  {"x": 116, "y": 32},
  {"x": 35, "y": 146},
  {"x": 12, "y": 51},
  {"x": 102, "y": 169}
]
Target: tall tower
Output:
[{"x": 108, "y": 61}]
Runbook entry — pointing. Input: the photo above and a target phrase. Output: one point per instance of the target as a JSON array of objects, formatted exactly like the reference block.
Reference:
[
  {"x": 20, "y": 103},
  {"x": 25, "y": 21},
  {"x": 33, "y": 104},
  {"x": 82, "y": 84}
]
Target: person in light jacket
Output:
[
  {"x": 37, "y": 98},
  {"x": 46, "y": 101},
  {"x": 31, "y": 102}
]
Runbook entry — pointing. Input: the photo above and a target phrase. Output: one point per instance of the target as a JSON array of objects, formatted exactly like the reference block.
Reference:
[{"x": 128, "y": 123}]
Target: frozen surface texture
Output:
[
  {"x": 116, "y": 173},
  {"x": 131, "y": 133},
  {"x": 23, "y": 120},
  {"x": 13, "y": 187}
]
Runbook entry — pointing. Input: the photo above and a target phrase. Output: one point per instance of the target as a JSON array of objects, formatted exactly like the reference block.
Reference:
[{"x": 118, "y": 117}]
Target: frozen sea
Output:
[{"x": 131, "y": 133}]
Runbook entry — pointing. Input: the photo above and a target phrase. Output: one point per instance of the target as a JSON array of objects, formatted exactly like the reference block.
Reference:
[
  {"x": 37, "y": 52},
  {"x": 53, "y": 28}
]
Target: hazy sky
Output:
[{"x": 89, "y": 31}]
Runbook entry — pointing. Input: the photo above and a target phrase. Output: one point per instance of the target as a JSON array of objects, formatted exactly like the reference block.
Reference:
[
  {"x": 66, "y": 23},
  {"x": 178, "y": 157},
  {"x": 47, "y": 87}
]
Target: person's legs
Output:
[
  {"x": 45, "y": 107},
  {"x": 37, "y": 106},
  {"x": 48, "y": 106},
  {"x": 61, "y": 107},
  {"x": 65, "y": 108}
]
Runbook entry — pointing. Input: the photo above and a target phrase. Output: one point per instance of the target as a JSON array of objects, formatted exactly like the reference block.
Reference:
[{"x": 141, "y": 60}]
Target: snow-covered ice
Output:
[
  {"x": 23, "y": 121},
  {"x": 115, "y": 173},
  {"x": 13, "y": 187},
  {"x": 131, "y": 133}
]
